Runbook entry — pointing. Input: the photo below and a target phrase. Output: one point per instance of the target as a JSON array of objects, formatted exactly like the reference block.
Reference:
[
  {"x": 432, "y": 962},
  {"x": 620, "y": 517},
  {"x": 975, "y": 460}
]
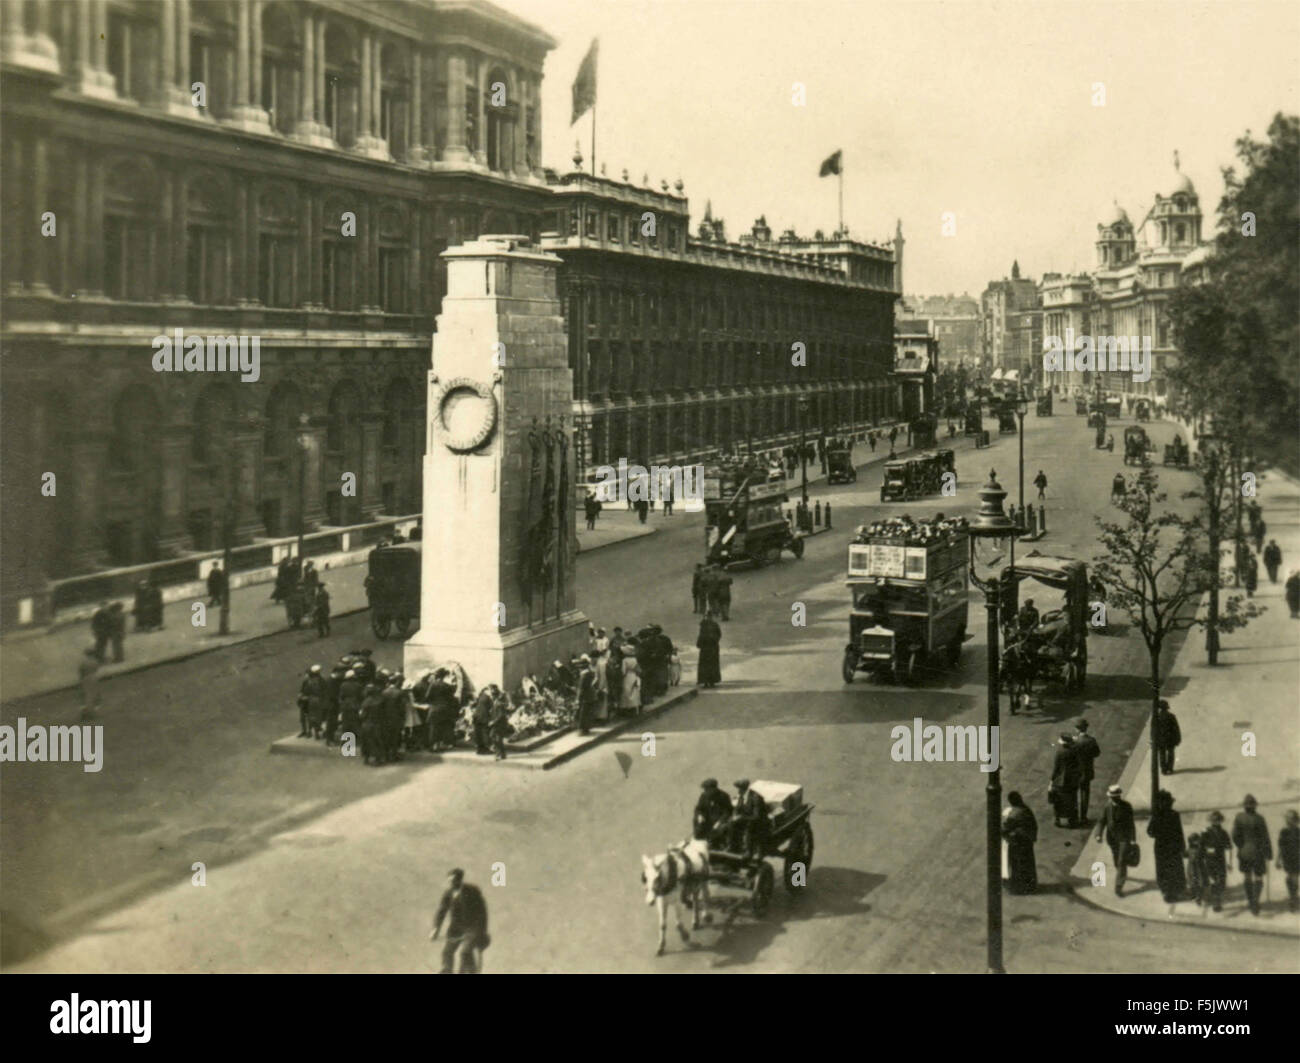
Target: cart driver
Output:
[
  {"x": 712, "y": 814},
  {"x": 1027, "y": 618},
  {"x": 749, "y": 831}
]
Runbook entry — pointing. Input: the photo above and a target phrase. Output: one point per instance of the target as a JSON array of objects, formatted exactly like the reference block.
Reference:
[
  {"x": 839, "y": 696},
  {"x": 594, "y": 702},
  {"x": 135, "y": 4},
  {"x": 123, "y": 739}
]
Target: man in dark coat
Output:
[
  {"x": 394, "y": 717},
  {"x": 1168, "y": 736},
  {"x": 1288, "y": 858},
  {"x": 1064, "y": 791},
  {"x": 697, "y": 589},
  {"x": 101, "y": 627},
  {"x": 117, "y": 630},
  {"x": 724, "y": 593},
  {"x": 750, "y": 819},
  {"x": 1292, "y": 592},
  {"x": 1116, "y": 826},
  {"x": 1086, "y": 751},
  {"x": 712, "y": 811},
  {"x": 482, "y": 722},
  {"x": 1216, "y": 858},
  {"x": 333, "y": 686},
  {"x": 311, "y": 702},
  {"x": 1272, "y": 559},
  {"x": 350, "y": 693},
  {"x": 443, "y": 711},
  {"x": 1257, "y": 533},
  {"x": 708, "y": 641},
  {"x": 321, "y": 611},
  {"x": 499, "y": 728},
  {"x": 372, "y": 725},
  {"x": 216, "y": 585},
  {"x": 365, "y": 665},
  {"x": 591, "y": 509},
  {"x": 467, "y": 931},
  {"x": 1254, "y": 850},
  {"x": 587, "y": 695},
  {"x": 1249, "y": 573}
]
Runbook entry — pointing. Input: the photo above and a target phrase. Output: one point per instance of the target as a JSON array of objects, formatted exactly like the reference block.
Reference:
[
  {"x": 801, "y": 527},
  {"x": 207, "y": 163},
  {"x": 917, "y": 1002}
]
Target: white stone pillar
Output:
[
  {"x": 93, "y": 79},
  {"x": 455, "y": 150},
  {"x": 248, "y": 113},
  {"x": 369, "y": 142},
  {"x": 309, "y": 127}
]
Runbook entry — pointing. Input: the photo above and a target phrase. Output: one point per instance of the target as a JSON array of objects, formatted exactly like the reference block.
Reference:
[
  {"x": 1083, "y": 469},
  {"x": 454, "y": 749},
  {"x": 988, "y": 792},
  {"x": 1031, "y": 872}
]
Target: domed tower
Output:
[
  {"x": 1175, "y": 219},
  {"x": 1115, "y": 241}
]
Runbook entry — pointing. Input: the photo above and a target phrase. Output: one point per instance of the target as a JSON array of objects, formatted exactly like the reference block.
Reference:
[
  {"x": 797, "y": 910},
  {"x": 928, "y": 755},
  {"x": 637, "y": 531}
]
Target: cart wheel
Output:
[
  {"x": 849, "y": 667},
  {"x": 762, "y": 891},
  {"x": 379, "y": 625},
  {"x": 796, "y": 548},
  {"x": 403, "y": 625}
]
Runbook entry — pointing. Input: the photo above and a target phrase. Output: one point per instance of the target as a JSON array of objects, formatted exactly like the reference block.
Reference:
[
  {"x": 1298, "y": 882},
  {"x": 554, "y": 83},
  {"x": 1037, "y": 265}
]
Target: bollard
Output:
[
  {"x": 828, "y": 515},
  {"x": 817, "y": 513},
  {"x": 1042, "y": 520},
  {"x": 1030, "y": 522}
]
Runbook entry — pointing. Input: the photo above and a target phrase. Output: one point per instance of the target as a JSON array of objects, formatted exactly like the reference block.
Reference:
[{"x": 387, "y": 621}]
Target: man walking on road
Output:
[
  {"x": 1040, "y": 481},
  {"x": 1272, "y": 559},
  {"x": 1254, "y": 850},
  {"x": 1086, "y": 751},
  {"x": 1064, "y": 789},
  {"x": 1168, "y": 736},
  {"x": 467, "y": 930},
  {"x": 1116, "y": 826},
  {"x": 216, "y": 585}
]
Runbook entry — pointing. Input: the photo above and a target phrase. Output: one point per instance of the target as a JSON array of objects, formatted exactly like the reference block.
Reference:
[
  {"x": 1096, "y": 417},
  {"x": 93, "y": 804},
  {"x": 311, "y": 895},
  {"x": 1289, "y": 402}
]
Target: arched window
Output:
[{"x": 502, "y": 115}]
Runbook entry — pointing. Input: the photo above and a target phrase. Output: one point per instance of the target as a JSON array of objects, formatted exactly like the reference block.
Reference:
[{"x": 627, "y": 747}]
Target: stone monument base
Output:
[{"x": 503, "y": 658}]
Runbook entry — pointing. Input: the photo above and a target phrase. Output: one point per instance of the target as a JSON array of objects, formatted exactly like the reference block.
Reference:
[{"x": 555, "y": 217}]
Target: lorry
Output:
[
  {"x": 743, "y": 518},
  {"x": 393, "y": 589},
  {"x": 908, "y": 583}
]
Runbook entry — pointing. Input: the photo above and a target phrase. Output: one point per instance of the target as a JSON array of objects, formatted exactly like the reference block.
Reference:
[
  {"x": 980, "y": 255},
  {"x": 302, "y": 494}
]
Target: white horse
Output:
[{"x": 685, "y": 865}]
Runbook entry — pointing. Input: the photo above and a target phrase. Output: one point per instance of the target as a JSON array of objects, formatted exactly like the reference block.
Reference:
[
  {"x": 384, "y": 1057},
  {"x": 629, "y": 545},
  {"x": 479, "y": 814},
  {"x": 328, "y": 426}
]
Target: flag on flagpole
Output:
[
  {"x": 584, "y": 86},
  {"x": 833, "y": 164}
]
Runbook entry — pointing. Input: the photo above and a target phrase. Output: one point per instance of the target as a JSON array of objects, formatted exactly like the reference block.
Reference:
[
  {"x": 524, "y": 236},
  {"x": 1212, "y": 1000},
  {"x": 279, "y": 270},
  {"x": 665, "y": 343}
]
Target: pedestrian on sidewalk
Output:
[
  {"x": 1288, "y": 858},
  {"x": 1116, "y": 827},
  {"x": 1292, "y": 591},
  {"x": 1272, "y": 559},
  {"x": 668, "y": 498},
  {"x": 723, "y": 584},
  {"x": 587, "y": 697},
  {"x": 1254, "y": 850},
  {"x": 1086, "y": 752},
  {"x": 1257, "y": 533},
  {"x": 1216, "y": 849},
  {"x": 216, "y": 585},
  {"x": 1040, "y": 481},
  {"x": 642, "y": 510},
  {"x": 467, "y": 930},
  {"x": 590, "y": 509},
  {"x": 1250, "y": 573},
  {"x": 697, "y": 589},
  {"x": 482, "y": 722},
  {"x": 100, "y": 627},
  {"x": 117, "y": 631},
  {"x": 1168, "y": 736},
  {"x": 630, "y": 698},
  {"x": 500, "y": 728},
  {"x": 88, "y": 671},
  {"x": 1019, "y": 833},
  {"x": 1170, "y": 846},
  {"x": 707, "y": 642},
  {"x": 1063, "y": 792},
  {"x": 1196, "y": 877}
]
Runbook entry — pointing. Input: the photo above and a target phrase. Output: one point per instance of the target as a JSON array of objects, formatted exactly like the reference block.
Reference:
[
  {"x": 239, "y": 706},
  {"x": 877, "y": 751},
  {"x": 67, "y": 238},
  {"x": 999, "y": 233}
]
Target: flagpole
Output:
[
  {"x": 841, "y": 177},
  {"x": 593, "y": 138}
]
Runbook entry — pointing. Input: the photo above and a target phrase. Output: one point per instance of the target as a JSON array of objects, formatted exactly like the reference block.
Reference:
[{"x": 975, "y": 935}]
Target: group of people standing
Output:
[
  {"x": 627, "y": 671},
  {"x": 298, "y": 585},
  {"x": 711, "y": 590},
  {"x": 1186, "y": 867}
]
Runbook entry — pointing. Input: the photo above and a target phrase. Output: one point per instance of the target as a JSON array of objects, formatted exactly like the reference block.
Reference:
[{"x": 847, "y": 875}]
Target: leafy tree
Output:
[
  {"x": 1239, "y": 334},
  {"x": 1155, "y": 566}
]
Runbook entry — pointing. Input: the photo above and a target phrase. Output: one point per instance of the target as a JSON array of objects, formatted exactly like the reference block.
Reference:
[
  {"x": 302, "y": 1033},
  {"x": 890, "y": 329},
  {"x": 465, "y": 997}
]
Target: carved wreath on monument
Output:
[{"x": 465, "y": 414}]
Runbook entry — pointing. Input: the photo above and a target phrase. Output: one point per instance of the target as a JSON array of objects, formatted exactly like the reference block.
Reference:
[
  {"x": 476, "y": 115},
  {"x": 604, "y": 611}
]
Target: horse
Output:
[{"x": 686, "y": 865}]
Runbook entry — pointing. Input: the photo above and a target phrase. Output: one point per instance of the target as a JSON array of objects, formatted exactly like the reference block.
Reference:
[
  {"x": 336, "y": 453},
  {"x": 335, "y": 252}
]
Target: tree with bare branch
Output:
[{"x": 1156, "y": 566}]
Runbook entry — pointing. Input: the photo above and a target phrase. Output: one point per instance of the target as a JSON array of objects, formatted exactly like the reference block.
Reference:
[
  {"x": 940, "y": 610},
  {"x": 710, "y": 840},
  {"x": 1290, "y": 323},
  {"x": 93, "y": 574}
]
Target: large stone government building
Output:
[{"x": 292, "y": 172}]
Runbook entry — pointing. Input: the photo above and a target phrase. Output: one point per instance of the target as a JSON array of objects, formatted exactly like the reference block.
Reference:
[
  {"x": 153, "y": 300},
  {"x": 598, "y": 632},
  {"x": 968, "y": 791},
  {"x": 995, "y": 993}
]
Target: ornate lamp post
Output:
[
  {"x": 991, "y": 523},
  {"x": 1022, "y": 408},
  {"x": 802, "y": 404}
]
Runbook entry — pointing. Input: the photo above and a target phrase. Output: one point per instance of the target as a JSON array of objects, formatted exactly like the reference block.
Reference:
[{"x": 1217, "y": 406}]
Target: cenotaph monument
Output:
[{"x": 499, "y": 530}]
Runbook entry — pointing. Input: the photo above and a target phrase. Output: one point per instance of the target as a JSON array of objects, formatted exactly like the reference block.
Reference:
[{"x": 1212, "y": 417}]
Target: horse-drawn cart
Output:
[{"x": 789, "y": 837}]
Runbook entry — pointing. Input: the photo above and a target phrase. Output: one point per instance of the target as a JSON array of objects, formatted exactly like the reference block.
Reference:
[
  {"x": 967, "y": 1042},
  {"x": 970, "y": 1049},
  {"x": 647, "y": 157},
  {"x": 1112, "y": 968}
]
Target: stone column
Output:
[
  {"x": 485, "y": 611},
  {"x": 415, "y": 140},
  {"x": 480, "y": 155},
  {"x": 521, "y": 114},
  {"x": 363, "y": 92},
  {"x": 167, "y": 68},
  {"x": 183, "y": 51},
  {"x": 309, "y": 127},
  {"x": 18, "y": 198},
  {"x": 35, "y": 50},
  {"x": 95, "y": 233},
  {"x": 455, "y": 150},
  {"x": 247, "y": 113},
  {"x": 93, "y": 79},
  {"x": 369, "y": 142}
]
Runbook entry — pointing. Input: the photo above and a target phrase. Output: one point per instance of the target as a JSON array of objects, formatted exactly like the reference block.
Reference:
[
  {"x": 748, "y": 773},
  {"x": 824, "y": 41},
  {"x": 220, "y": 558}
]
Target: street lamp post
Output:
[
  {"x": 992, "y": 523},
  {"x": 1209, "y": 443},
  {"x": 304, "y": 445},
  {"x": 1022, "y": 408},
  {"x": 803, "y": 457}
]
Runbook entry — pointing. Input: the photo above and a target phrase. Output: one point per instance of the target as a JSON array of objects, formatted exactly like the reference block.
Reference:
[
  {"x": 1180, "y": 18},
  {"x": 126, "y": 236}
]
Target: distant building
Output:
[
  {"x": 916, "y": 365},
  {"x": 955, "y": 321},
  {"x": 1011, "y": 326}
]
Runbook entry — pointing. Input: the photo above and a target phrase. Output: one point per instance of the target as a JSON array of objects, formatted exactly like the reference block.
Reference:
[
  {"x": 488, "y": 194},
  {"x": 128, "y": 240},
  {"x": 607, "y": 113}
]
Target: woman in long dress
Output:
[
  {"x": 600, "y": 664},
  {"x": 1019, "y": 833},
  {"x": 631, "y": 697},
  {"x": 710, "y": 637},
  {"x": 1166, "y": 829}
]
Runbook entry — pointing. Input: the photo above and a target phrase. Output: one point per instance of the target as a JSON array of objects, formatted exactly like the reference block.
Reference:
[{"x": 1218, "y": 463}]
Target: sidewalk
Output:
[
  {"x": 1253, "y": 689},
  {"x": 42, "y": 660}
]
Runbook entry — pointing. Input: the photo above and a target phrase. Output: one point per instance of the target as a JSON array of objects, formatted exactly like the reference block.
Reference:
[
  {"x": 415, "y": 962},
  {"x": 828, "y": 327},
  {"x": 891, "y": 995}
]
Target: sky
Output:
[{"x": 982, "y": 109}]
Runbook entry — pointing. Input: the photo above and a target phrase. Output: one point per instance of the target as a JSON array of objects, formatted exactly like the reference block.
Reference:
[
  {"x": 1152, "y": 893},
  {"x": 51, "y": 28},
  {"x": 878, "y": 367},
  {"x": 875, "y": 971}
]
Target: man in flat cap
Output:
[
  {"x": 749, "y": 834},
  {"x": 712, "y": 811},
  {"x": 1254, "y": 850},
  {"x": 1116, "y": 826},
  {"x": 1216, "y": 850},
  {"x": 467, "y": 931}
]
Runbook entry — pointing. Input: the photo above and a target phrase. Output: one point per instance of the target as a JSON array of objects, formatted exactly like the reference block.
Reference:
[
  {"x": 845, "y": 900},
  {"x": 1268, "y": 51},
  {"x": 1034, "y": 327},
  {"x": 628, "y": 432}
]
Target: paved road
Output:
[{"x": 321, "y": 867}]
